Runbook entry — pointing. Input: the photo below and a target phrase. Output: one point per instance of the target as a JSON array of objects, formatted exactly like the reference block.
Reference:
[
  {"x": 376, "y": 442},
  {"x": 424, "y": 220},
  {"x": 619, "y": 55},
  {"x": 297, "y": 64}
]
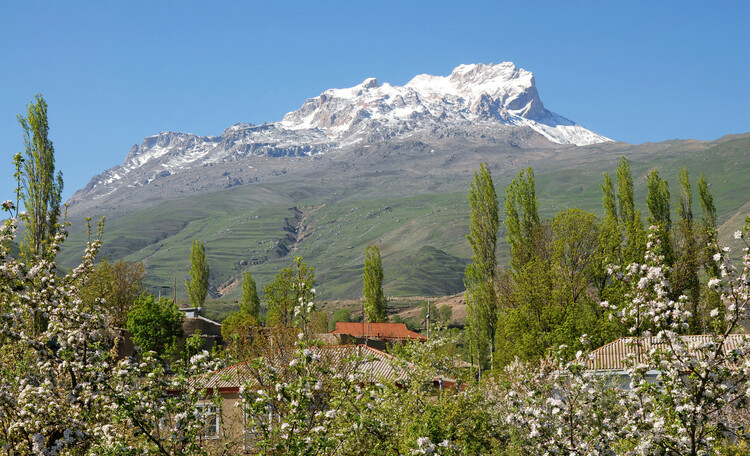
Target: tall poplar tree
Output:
[
  {"x": 522, "y": 219},
  {"x": 249, "y": 302},
  {"x": 609, "y": 249},
  {"x": 41, "y": 190},
  {"x": 197, "y": 286},
  {"x": 658, "y": 200},
  {"x": 686, "y": 268},
  {"x": 376, "y": 304},
  {"x": 629, "y": 217},
  {"x": 479, "y": 279},
  {"x": 239, "y": 329},
  {"x": 709, "y": 210},
  {"x": 659, "y": 208},
  {"x": 709, "y": 245}
]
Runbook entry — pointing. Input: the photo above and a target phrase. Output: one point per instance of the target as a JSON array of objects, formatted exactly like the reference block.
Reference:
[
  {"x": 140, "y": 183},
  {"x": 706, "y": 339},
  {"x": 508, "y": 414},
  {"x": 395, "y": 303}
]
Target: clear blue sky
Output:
[{"x": 115, "y": 72}]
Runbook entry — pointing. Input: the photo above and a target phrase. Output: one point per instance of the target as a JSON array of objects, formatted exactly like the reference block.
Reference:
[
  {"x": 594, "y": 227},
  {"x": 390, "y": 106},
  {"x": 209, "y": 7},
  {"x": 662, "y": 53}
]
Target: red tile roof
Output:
[{"x": 382, "y": 331}]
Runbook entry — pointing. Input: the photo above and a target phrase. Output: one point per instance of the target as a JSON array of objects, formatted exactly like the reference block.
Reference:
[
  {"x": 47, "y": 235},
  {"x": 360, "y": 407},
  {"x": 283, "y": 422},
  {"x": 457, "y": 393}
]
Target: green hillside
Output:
[{"x": 419, "y": 221}]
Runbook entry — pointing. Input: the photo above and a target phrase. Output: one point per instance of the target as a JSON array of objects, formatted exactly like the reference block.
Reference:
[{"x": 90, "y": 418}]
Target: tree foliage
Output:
[
  {"x": 686, "y": 266},
  {"x": 239, "y": 331},
  {"x": 41, "y": 190},
  {"x": 660, "y": 210},
  {"x": 197, "y": 285},
  {"x": 340, "y": 315},
  {"x": 376, "y": 304},
  {"x": 62, "y": 389},
  {"x": 562, "y": 268},
  {"x": 249, "y": 302},
  {"x": 240, "y": 328},
  {"x": 634, "y": 238},
  {"x": 118, "y": 284},
  {"x": 156, "y": 325},
  {"x": 522, "y": 222},
  {"x": 290, "y": 297},
  {"x": 550, "y": 300},
  {"x": 479, "y": 278}
]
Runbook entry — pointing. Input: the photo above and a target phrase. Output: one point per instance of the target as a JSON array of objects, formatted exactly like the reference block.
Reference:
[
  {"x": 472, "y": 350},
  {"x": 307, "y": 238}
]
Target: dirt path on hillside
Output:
[{"x": 456, "y": 302}]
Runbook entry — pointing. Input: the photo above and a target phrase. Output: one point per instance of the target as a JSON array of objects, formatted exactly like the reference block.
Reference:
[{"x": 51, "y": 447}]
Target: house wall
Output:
[{"x": 231, "y": 424}]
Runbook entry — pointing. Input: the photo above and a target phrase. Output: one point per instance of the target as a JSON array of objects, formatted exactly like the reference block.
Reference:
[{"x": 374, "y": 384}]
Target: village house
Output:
[
  {"x": 378, "y": 335},
  {"x": 614, "y": 358},
  {"x": 225, "y": 419}
]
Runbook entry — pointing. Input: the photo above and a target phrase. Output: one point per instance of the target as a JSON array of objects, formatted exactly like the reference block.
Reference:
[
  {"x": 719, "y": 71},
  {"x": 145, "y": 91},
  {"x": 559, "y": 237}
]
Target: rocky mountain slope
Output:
[{"x": 496, "y": 103}]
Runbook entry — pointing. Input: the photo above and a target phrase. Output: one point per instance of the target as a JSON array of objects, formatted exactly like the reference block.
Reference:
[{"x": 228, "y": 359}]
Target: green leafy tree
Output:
[
  {"x": 41, "y": 190},
  {"x": 708, "y": 208},
  {"x": 576, "y": 237},
  {"x": 318, "y": 322},
  {"x": 609, "y": 249},
  {"x": 249, "y": 302},
  {"x": 118, "y": 284},
  {"x": 197, "y": 286},
  {"x": 376, "y": 305},
  {"x": 240, "y": 328},
  {"x": 479, "y": 278},
  {"x": 684, "y": 277},
  {"x": 658, "y": 200},
  {"x": 708, "y": 227},
  {"x": 280, "y": 299},
  {"x": 659, "y": 208},
  {"x": 239, "y": 331},
  {"x": 522, "y": 219},
  {"x": 340, "y": 315},
  {"x": 156, "y": 325},
  {"x": 629, "y": 217},
  {"x": 291, "y": 290},
  {"x": 708, "y": 241},
  {"x": 446, "y": 314},
  {"x": 550, "y": 301}
]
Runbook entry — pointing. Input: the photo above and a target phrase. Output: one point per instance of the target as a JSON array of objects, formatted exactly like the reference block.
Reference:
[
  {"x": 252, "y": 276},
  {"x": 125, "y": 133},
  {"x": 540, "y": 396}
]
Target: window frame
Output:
[{"x": 210, "y": 415}]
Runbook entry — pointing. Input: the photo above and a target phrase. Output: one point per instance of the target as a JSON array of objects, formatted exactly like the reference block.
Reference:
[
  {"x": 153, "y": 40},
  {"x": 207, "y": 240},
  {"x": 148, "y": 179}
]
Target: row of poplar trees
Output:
[{"x": 561, "y": 269}]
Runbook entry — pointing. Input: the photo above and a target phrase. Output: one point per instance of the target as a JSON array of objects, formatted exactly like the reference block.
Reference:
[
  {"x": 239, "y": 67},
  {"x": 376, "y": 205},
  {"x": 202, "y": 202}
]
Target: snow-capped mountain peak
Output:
[
  {"x": 474, "y": 93},
  {"x": 478, "y": 100}
]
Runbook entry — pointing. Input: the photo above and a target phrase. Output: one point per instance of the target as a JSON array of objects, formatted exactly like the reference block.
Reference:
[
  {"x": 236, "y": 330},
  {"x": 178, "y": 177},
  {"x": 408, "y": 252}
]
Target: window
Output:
[
  {"x": 256, "y": 424},
  {"x": 210, "y": 416}
]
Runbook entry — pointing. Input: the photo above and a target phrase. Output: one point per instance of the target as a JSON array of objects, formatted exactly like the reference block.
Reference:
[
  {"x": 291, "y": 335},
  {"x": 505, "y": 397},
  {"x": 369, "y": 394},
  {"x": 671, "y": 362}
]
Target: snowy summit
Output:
[
  {"x": 471, "y": 93},
  {"x": 496, "y": 102}
]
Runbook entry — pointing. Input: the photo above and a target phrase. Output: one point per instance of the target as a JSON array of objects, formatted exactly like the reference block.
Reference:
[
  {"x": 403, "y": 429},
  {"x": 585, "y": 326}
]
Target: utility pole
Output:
[
  {"x": 428, "y": 318},
  {"x": 366, "y": 331}
]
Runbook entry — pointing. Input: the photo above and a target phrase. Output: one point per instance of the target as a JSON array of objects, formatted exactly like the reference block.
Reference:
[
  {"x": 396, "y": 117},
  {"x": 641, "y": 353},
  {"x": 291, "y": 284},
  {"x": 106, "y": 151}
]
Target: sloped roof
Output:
[
  {"x": 613, "y": 355},
  {"x": 342, "y": 359},
  {"x": 382, "y": 331}
]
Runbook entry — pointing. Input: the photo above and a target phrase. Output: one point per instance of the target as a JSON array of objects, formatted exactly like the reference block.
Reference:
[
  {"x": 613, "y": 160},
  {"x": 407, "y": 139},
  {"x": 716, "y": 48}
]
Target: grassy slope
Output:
[{"x": 421, "y": 236}]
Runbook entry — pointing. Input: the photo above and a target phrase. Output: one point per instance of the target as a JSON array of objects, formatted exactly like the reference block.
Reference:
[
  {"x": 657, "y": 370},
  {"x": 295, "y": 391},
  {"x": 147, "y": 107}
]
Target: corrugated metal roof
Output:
[
  {"x": 613, "y": 355},
  {"x": 383, "y": 331},
  {"x": 368, "y": 362}
]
